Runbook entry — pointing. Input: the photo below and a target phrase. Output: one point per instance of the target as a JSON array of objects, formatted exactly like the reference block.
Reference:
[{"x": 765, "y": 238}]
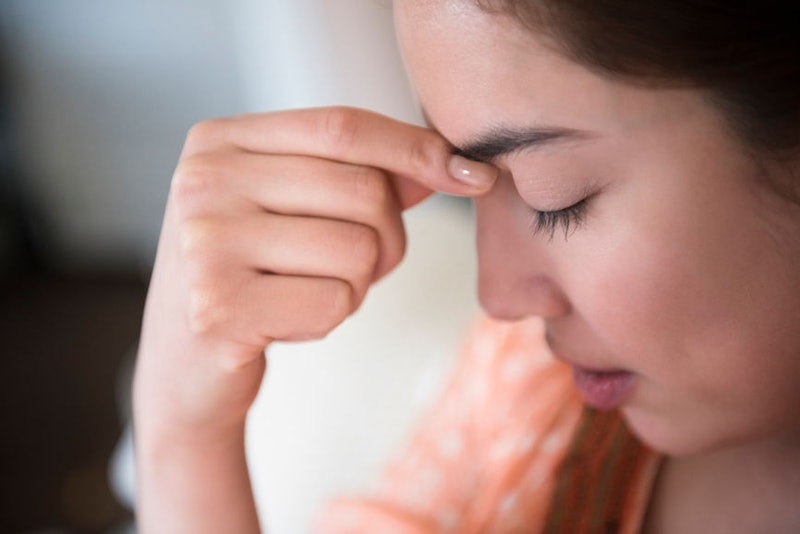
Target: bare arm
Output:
[{"x": 275, "y": 228}]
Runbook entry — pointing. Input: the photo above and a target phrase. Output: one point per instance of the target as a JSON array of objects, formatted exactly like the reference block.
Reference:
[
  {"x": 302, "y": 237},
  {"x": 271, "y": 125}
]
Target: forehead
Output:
[
  {"x": 472, "y": 69},
  {"x": 456, "y": 38}
]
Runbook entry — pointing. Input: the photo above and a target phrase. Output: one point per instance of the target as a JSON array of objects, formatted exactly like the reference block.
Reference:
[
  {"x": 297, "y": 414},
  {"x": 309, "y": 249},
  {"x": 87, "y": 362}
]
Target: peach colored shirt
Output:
[{"x": 486, "y": 458}]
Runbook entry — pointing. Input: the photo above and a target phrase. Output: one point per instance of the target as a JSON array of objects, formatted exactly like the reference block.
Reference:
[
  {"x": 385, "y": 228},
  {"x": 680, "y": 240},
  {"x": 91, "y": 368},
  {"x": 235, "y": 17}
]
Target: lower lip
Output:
[{"x": 604, "y": 390}]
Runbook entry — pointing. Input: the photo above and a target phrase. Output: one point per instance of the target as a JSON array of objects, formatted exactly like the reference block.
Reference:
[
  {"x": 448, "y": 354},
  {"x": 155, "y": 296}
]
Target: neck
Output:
[{"x": 745, "y": 488}]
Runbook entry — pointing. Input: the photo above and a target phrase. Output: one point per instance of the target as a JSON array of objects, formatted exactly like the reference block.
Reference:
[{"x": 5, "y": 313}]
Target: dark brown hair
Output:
[{"x": 746, "y": 54}]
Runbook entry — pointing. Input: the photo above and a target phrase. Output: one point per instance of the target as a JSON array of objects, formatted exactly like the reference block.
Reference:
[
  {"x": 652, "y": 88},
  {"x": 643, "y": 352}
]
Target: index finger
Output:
[{"x": 422, "y": 158}]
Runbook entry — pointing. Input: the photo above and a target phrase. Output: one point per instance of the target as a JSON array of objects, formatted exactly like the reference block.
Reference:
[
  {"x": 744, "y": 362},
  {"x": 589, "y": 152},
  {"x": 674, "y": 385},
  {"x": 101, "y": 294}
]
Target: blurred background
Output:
[{"x": 95, "y": 99}]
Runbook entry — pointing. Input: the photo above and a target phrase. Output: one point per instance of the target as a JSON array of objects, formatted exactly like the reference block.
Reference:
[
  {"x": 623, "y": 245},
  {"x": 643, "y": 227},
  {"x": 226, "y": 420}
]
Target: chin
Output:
[{"x": 671, "y": 438}]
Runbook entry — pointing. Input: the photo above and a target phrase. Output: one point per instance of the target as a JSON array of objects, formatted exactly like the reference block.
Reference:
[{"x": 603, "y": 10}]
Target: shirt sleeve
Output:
[{"x": 483, "y": 440}]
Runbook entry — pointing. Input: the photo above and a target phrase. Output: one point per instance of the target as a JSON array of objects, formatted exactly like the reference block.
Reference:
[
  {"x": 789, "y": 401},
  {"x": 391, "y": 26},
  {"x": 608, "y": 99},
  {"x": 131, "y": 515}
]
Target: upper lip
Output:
[{"x": 566, "y": 356}]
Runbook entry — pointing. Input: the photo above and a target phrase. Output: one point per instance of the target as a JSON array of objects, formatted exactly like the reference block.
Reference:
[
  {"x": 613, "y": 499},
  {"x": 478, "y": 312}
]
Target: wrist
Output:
[
  {"x": 193, "y": 481},
  {"x": 156, "y": 428},
  {"x": 199, "y": 404}
]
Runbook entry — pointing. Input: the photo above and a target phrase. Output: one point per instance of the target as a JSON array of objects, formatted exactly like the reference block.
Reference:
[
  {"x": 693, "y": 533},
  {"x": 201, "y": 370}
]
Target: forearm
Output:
[
  {"x": 194, "y": 484},
  {"x": 263, "y": 239}
]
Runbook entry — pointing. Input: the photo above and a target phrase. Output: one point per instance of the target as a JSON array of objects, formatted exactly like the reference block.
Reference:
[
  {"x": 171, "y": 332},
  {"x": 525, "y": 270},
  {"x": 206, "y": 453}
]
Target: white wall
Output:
[{"x": 321, "y": 52}]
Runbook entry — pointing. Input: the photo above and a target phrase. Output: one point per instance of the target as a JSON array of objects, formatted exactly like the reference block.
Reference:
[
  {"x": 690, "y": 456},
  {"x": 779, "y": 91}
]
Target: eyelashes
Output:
[{"x": 568, "y": 219}]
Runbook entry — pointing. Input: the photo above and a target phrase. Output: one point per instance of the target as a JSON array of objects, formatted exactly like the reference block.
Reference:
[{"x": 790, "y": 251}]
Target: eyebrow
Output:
[
  {"x": 503, "y": 141},
  {"x": 506, "y": 140}
]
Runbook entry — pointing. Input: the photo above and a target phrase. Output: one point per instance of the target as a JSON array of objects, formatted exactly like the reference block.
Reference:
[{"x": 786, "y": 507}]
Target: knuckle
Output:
[
  {"x": 204, "y": 133},
  {"x": 206, "y": 309},
  {"x": 196, "y": 177},
  {"x": 205, "y": 272},
  {"x": 338, "y": 129},
  {"x": 198, "y": 238}
]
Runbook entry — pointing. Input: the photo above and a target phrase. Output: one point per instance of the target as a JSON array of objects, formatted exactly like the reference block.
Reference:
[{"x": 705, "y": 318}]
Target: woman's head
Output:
[{"x": 630, "y": 214}]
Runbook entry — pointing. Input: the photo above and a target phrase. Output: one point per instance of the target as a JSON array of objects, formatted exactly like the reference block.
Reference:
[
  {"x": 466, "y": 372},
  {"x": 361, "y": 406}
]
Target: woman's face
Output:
[{"x": 673, "y": 269}]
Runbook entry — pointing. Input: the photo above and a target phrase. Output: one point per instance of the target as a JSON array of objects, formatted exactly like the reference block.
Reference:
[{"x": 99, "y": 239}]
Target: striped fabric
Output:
[{"x": 597, "y": 484}]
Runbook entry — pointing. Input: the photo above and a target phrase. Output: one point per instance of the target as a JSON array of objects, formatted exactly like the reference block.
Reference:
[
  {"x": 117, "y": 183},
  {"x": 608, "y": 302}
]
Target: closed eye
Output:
[{"x": 569, "y": 219}]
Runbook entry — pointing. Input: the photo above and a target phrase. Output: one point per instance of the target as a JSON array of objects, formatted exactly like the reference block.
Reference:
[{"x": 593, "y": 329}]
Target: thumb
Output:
[{"x": 476, "y": 178}]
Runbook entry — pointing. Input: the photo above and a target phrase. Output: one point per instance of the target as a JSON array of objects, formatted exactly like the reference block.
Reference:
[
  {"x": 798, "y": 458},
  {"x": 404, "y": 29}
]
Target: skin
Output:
[
  {"x": 683, "y": 270},
  {"x": 275, "y": 227},
  {"x": 680, "y": 270}
]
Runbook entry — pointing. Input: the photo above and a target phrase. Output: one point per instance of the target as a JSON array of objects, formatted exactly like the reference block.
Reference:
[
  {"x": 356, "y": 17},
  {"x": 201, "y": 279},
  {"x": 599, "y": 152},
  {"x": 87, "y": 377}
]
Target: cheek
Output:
[
  {"x": 661, "y": 261},
  {"x": 692, "y": 300},
  {"x": 658, "y": 282},
  {"x": 635, "y": 295}
]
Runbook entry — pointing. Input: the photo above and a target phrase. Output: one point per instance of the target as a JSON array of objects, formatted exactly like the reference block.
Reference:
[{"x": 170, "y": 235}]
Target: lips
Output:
[
  {"x": 604, "y": 390},
  {"x": 602, "y": 387}
]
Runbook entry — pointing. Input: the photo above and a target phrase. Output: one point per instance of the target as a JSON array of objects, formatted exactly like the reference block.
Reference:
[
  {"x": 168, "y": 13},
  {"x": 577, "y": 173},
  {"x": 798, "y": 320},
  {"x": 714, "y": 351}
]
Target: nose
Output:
[{"x": 517, "y": 273}]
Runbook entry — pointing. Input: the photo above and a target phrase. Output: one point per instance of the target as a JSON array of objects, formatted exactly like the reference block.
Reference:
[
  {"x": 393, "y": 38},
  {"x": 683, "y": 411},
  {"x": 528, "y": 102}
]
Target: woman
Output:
[{"x": 635, "y": 170}]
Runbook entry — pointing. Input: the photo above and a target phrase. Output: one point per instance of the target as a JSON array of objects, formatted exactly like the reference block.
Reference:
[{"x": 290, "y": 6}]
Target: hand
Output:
[{"x": 275, "y": 227}]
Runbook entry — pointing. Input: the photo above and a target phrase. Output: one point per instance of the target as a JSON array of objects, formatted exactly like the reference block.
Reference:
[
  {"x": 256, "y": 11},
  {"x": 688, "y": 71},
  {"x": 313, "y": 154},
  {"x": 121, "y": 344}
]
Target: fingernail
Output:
[{"x": 473, "y": 173}]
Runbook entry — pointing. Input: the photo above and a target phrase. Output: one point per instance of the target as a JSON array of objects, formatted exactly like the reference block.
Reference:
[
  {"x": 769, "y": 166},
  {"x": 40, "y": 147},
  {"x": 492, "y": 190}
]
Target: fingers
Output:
[
  {"x": 282, "y": 221},
  {"x": 284, "y": 184},
  {"x": 276, "y": 225},
  {"x": 207, "y": 185},
  {"x": 272, "y": 244},
  {"x": 420, "y": 158},
  {"x": 254, "y": 309}
]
